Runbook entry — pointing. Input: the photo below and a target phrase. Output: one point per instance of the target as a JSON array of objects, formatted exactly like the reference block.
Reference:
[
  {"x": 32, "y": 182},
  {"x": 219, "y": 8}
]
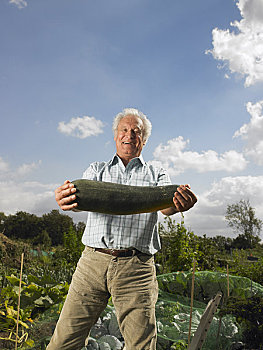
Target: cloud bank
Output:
[
  {"x": 81, "y": 127},
  {"x": 18, "y": 194},
  {"x": 4, "y": 166},
  {"x": 7, "y": 173},
  {"x": 176, "y": 159},
  {"x": 242, "y": 48},
  {"x": 252, "y": 132},
  {"x": 209, "y": 213},
  {"x": 33, "y": 197}
]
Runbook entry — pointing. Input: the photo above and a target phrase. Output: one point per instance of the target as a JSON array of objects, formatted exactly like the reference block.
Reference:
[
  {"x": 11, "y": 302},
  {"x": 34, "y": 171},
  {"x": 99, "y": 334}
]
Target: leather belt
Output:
[{"x": 118, "y": 252}]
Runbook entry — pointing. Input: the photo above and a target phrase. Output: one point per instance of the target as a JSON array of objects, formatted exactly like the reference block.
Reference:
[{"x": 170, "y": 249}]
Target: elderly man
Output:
[{"x": 118, "y": 258}]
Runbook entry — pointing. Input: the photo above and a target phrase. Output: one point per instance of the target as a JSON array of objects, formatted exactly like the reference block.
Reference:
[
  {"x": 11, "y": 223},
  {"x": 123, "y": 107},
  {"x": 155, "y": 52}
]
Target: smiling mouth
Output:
[{"x": 128, "y": 143}]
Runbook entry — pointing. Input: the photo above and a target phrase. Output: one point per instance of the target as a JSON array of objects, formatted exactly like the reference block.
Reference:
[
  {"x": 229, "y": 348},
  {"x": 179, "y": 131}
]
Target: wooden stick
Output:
[
  {"x": 227, "y": 271},
  {"x": 192, "y": 302},
  {"x": 19, "y": 292}
]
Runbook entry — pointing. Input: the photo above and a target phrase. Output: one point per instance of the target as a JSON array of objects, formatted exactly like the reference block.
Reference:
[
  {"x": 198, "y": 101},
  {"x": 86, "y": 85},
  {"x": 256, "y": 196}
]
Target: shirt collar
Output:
[{"x": 116, "y": 158}]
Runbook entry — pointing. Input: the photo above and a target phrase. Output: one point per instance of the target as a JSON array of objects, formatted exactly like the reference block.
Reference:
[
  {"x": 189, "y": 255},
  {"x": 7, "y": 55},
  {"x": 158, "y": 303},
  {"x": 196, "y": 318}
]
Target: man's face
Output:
[{"x": 129, "y": 137}]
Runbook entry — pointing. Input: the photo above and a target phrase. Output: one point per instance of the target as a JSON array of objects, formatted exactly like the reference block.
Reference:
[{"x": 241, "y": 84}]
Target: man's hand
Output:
[
  {"x": 183, "y": 200},
  {"x": 65, "y": 195}
]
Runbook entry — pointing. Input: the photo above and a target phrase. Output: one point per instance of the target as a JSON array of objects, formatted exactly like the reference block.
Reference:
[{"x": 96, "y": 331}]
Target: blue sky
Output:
[{"x": 195, "y": 68}]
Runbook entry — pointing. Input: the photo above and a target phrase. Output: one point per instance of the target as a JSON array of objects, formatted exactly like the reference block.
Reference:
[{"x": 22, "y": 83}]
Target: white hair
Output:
[{"x": 147, "y": 125}]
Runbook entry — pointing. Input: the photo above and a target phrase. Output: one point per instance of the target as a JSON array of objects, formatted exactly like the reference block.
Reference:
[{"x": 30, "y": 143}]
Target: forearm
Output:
[{"x": 169, "y": 211}]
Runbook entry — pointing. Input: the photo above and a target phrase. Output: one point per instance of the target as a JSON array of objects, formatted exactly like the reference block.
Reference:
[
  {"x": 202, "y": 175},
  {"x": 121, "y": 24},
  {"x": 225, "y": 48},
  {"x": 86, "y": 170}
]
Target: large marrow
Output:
[{"x": 117, "y": 199}]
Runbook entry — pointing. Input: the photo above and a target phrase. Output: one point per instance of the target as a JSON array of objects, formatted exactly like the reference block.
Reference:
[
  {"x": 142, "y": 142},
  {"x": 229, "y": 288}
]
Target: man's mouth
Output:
[{"x": 127, "y": 143}]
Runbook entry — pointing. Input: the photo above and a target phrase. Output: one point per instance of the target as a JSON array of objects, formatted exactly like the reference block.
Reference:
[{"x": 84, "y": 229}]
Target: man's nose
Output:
[{"x": 131, "y": 133}]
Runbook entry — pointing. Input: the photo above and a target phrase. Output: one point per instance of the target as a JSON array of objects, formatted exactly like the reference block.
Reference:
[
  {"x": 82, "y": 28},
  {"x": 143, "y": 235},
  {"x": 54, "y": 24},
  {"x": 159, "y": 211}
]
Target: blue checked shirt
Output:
[{"x": 124, "y": 231}]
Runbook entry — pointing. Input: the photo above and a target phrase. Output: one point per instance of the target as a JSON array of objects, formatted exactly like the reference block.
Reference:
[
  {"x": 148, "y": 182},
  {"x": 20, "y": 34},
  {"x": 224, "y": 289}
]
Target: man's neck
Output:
[{"x": 125, "y": 160}]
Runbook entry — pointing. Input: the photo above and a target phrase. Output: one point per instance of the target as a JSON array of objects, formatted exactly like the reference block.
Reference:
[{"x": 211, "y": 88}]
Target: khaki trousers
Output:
[{"x": 131, "y": 281}]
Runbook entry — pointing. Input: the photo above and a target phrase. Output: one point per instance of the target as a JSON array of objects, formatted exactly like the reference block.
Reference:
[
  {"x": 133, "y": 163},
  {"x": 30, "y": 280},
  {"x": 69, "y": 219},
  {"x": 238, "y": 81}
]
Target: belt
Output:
[{"x": 118, "y": 252}]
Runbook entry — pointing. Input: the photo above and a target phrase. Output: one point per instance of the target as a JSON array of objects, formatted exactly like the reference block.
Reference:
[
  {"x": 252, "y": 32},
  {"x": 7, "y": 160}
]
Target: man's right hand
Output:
[{"x": 65, "y": 195}]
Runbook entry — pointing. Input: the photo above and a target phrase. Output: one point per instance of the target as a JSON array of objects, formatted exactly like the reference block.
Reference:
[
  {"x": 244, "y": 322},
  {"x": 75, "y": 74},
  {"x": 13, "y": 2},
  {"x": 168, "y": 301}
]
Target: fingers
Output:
[
  {"x": 65, "y": 195},
  {"x": 184, "y": 198}
]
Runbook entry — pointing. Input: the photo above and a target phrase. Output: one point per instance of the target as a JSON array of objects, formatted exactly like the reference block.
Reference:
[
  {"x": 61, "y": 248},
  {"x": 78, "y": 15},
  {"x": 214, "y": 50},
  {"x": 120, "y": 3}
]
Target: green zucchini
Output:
[{"x": 117, "y": 199}]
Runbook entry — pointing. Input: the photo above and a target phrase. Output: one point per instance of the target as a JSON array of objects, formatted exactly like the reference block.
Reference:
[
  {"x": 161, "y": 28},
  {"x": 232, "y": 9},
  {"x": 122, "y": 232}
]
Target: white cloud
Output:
[
  {"x": 19, "y": 195},
  {"x": 176, "y": 159},
  {"x": 7, "y": 173},
  {"x": 208, "y": 215},
  {"x": 29, "y": 196},
  {"x": 252, "y": 132},
  {"x": 243, "y": 50},
  {"x": 27, "y": 168},
  {"x": 81, "y": 127},
  {"x": 32, "y": 197},
  {"x": 4, "y": 166},
  {"x": 19, "y": 3}
]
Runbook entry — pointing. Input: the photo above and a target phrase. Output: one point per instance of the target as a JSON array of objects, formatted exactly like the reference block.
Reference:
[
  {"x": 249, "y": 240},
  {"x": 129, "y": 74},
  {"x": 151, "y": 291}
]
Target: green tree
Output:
[
  {"x": 2, "y": 221},
  {"x": 22, "y": 225},
  {"x": 56, "y": 224},
  {"x": 222, "y": 243},
  {"x": 179, "y": 246},
  {"x": 73, "y": 245},
  {"x": 207, "y": 253},
  {"x": 43, "y": 239},
  {"x": 80, "y": 227},
  {"x": 242, "y": 219}
]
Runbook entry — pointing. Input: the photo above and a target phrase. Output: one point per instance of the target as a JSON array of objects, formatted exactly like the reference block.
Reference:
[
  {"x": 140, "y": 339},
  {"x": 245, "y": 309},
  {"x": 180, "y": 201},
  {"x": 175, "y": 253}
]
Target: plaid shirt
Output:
[{"x": 124, "y": 231}]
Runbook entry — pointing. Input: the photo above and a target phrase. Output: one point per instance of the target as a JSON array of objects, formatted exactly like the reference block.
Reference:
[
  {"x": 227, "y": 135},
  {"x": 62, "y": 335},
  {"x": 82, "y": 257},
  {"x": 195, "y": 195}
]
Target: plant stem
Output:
[
  {"x": 192, "y": 301},
  {"x": 19, "y": 292}
]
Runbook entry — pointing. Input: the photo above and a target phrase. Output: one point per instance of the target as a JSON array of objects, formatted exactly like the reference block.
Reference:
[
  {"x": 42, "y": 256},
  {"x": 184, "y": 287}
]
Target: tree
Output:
[
  {"x": 56, "y": 225},
  {"x": 73, "y": 245},
  {"x": 242, "y": 219},
  {"x": 222, "y": 243},
  {"x": 181, "y": 246},
  {"x": 43, "y": 239},
  {"x": 2, "y": 221},
  {"x": 22, "y": 225},
  {"x": 178, "y": 246}
]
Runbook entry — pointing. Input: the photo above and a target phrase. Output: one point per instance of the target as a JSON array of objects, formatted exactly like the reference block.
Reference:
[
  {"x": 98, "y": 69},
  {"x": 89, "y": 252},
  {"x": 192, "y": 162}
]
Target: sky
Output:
[{"x": 195, "y": 68}]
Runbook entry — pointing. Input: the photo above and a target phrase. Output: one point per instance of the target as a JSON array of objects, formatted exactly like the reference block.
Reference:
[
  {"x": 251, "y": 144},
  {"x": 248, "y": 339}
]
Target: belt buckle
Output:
[{"x": 113, "y": 252}]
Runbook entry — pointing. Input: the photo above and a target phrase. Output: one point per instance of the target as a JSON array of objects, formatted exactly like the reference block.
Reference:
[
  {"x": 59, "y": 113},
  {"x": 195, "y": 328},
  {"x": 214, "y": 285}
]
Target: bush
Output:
[
  {"x": 181, "y": 246},
  {"x": 241, "y": 266},
  {"x": 249, "y": 314}
]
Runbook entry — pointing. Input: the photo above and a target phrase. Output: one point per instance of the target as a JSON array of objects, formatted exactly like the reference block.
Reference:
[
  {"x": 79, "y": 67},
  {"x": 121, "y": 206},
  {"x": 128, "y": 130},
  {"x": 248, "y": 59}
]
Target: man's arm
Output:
[
  {"x": 183, "y": 200},
  {"x": 65, "y": 195}
]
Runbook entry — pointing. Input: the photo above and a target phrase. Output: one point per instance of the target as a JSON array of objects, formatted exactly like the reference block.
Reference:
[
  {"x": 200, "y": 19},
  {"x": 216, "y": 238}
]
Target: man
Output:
[{"x": 118, "y": 258}]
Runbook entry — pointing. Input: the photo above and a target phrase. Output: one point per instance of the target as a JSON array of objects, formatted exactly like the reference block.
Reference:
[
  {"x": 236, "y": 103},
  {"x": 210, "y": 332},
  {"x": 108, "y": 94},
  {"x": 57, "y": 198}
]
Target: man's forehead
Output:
[{"x": 128, "y": 119}]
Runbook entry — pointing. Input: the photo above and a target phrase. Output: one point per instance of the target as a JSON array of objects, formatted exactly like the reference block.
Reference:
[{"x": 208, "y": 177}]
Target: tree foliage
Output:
[
  {"x": 72, "y": 246},
  {"x": 242, "y": 219},
  {"x": 22, "y": 225},
  {"x": 56, "y": 224},
  {"x": 46, "y": 230},
  {"x": 181, "y": 246}
]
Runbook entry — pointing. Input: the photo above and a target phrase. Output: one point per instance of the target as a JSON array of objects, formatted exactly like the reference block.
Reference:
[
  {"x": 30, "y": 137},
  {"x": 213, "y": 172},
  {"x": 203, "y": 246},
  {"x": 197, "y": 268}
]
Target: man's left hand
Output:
[{"x": 184, "y": 198}]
